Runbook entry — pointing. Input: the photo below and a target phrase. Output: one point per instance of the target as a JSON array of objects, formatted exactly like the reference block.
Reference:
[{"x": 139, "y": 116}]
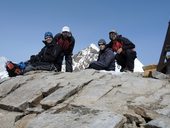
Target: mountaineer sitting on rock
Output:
[
  {"x": 46, "y": 59},
  {"x": 106, "y": 58}
]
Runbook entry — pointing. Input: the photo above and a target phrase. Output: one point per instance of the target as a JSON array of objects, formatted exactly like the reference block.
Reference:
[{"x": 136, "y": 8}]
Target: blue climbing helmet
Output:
[{"x": 48, "y": 34}]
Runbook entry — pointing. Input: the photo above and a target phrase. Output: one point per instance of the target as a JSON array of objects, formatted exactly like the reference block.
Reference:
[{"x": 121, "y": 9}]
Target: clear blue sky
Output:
[{"x": 24, "y": 22}]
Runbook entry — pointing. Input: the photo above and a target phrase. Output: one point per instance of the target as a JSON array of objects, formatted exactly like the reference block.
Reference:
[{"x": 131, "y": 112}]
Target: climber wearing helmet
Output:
[
  {"x": 65, "y": 41},
  {"x": 46, "y": 58}
]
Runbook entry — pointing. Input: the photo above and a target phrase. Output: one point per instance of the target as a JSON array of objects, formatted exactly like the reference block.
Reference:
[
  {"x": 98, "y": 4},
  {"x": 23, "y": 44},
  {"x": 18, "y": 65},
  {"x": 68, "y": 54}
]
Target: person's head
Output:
[
  {"x": 102, "y": 44},
  {"x": 48, "y": 37},
  {"x": 112, "y": 34},
  {"x": 66, "y": 32}
]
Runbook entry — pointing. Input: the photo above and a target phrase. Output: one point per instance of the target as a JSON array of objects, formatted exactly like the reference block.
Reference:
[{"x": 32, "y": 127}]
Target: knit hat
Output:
[
  {"x": 48, "y": 34},
  {"x": 102, "y": 41},
  {"x": 65, "y": 29}
]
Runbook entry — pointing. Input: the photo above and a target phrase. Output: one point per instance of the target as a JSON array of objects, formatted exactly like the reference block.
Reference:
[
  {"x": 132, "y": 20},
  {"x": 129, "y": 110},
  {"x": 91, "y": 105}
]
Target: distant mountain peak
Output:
[
  {"x": 82, "y": 59},
  {"x": 94, "y": 47}
]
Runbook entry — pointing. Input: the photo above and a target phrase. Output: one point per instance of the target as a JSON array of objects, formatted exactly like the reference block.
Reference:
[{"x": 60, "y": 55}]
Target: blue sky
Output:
[{"x": 24, "y": 22}]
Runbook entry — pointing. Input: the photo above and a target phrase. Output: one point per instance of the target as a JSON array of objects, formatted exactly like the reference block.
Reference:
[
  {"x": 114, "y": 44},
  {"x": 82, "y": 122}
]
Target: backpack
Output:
[{"x": 13, "y": 69}]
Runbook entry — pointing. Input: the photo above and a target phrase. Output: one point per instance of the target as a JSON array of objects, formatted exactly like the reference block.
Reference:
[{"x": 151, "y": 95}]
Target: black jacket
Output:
[
  {"x": 48, "y": 53},
  {"x": 45, "y": 59},
  {"x": 66, "y": 47},
  {"x": 105, "y": 61},
  {"x": 127, "y": 44}
]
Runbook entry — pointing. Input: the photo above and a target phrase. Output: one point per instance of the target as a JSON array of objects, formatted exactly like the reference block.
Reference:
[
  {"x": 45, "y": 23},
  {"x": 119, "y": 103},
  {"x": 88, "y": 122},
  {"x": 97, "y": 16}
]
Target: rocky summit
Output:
[{"x": 84, "y": 99}]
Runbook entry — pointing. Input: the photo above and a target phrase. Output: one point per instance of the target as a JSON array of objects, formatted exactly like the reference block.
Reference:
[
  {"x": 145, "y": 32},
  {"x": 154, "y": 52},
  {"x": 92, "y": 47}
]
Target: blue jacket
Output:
[{"x": 105, "y": 61}]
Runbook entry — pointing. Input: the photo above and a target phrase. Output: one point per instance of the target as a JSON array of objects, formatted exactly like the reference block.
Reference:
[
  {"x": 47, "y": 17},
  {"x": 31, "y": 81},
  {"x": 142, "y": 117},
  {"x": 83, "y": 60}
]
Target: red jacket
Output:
[
  {"x": 116, "y": 45},
  {"x": 121, "y": 42}
]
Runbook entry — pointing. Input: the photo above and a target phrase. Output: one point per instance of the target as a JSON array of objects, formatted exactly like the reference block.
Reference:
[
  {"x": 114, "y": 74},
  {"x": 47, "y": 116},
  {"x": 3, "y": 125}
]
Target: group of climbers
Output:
[
  {"x": 60, "y": 46},
  {"x": 119, "y": 49},
  {"x": 50, "y": 57}
]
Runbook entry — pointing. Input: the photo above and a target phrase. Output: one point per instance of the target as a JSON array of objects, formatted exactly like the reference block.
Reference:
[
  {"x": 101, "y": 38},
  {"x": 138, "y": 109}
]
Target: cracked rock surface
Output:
[{"x": 84, "y": 99}]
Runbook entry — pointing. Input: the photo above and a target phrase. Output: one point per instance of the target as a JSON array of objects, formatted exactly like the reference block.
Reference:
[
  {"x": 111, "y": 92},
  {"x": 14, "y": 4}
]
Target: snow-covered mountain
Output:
[
  {"x": 3, "y": 72},
  {"x": 82, "y": 59}
]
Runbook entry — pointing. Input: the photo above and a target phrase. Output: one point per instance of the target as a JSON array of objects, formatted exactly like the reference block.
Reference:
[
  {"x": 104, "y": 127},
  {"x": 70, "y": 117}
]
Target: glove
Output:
[{"x": 34, "y": 59}]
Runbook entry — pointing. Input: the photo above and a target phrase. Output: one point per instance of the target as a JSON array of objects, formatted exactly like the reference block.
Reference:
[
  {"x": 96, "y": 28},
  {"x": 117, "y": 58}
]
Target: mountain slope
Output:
[{"x": 82, "y": 59}]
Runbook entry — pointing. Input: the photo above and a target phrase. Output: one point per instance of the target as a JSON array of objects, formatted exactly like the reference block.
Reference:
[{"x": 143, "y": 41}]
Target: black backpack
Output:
[{"x": 13, "y": 69}]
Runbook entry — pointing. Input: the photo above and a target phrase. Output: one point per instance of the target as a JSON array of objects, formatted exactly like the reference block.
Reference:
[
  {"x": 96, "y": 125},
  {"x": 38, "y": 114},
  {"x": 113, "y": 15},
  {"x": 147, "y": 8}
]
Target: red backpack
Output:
[{"x": 13, "y": 69}]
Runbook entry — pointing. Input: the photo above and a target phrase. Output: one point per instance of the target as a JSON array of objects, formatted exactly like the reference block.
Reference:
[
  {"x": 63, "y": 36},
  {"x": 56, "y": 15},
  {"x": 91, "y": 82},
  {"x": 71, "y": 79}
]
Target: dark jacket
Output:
[
  {"x": 126, "y": 58},
  {"x": 48, "y": 53},
  {"x": 66, "y": 47},
  {"x": 126, "y": 43},
  {"x": 45, "y": 59},
  {"x": 105, "y": 61}
]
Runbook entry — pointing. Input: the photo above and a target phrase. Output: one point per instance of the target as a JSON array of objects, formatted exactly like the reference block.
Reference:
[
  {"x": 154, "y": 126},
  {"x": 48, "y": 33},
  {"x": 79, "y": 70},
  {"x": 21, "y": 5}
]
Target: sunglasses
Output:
[
  {"x": 101, "y": 44},
  {"x": 48, "y": 37}
]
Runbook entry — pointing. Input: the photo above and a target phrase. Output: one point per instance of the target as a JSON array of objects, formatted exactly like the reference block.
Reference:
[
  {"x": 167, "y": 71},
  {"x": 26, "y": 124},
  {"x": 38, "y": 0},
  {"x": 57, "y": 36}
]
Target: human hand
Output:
[
  {"x": 119, "y": 50},
  {"x": 34, "y": 59}
]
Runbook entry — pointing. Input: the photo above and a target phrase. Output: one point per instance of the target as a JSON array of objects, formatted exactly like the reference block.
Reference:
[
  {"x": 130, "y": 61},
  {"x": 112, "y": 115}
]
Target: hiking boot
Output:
[
  {"x": 125, "y": 69},
  {"x": 122, "y": 69}
]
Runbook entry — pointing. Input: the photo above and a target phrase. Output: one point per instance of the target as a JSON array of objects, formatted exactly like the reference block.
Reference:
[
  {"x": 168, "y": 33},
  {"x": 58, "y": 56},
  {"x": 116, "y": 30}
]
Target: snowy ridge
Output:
[
  {"x": 82, "y": 59},
  {"x": 3, "y": 72},
  {"x": 94, "y": 47},
  {"x": 138, "y": 66}
]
